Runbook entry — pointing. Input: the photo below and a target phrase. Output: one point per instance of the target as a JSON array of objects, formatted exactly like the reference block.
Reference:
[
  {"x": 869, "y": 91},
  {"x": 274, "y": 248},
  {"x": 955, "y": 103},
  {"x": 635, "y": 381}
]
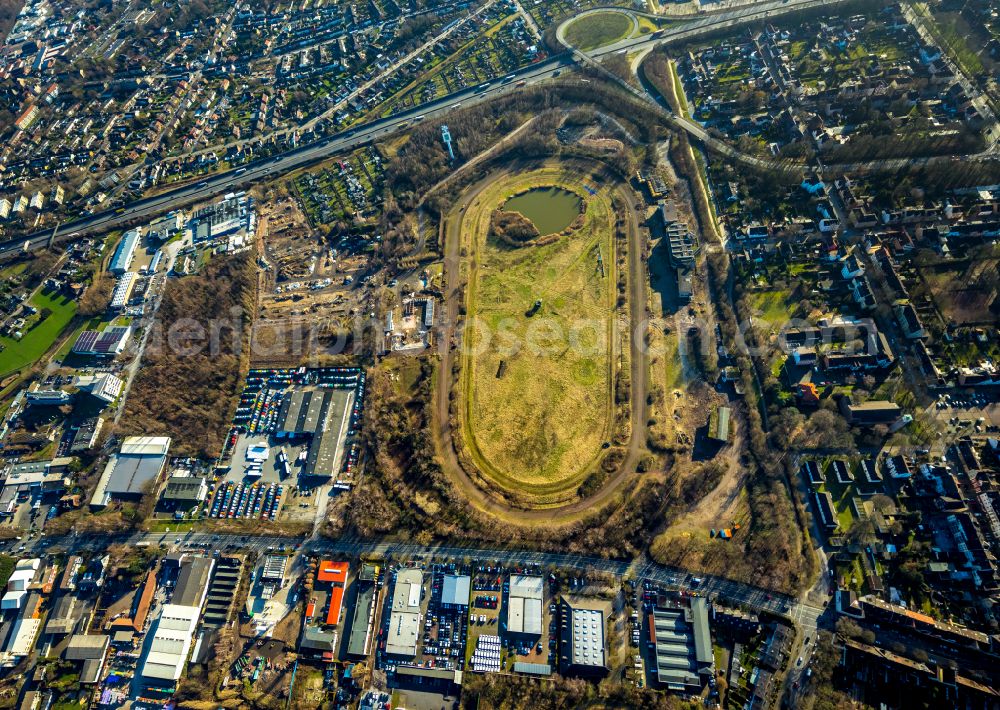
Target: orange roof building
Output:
[
  {"x": 333, "y": 574},
  {"x": 138, "y": 620}
]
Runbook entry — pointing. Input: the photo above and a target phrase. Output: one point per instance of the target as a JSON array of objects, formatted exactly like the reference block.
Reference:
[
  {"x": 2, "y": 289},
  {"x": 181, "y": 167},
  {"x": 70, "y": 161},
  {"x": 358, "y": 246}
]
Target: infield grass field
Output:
[{"x": 537, "y": 383}]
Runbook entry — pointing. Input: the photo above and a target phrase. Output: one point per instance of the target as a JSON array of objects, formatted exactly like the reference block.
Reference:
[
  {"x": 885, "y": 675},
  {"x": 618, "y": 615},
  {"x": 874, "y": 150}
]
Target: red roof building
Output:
[{"x": 333, "y": 574}]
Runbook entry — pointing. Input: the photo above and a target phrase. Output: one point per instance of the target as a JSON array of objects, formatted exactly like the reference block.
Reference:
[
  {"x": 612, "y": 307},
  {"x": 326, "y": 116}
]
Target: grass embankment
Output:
[
  {"x": 598, "y": 30},
  {"x": 6, "y": 569},
  {"x": 538, "y": 387}
]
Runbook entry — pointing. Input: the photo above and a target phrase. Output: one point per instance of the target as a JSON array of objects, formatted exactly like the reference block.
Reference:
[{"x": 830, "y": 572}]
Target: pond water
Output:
[{"x": 552, "y": 209}]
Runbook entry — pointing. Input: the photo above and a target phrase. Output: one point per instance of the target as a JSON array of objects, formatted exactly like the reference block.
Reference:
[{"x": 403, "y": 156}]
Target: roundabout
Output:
[{"x": 599, "y": 28}]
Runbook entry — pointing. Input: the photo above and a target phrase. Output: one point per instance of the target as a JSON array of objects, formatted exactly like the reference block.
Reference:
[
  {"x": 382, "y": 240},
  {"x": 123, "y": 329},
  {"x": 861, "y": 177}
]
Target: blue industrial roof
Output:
[
  {"x": 455, "y": 590},
  {"x": 123, "y": 254}
]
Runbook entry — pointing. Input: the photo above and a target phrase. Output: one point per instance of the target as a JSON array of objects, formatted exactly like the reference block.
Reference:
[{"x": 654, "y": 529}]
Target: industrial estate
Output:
[{"x": 500, "y": 354}]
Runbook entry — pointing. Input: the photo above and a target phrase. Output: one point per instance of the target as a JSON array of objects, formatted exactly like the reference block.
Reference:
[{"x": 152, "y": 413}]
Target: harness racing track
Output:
[
  {"x": 522, "y": 443},
  {"x": 537, "y": 358}
]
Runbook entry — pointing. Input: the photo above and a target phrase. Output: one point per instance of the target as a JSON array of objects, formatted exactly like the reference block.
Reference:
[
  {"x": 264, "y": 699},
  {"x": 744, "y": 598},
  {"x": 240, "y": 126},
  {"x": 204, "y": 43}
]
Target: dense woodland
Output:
[
  {"x": 8, "y": 14},
  {"x": 194, "y": 363}
]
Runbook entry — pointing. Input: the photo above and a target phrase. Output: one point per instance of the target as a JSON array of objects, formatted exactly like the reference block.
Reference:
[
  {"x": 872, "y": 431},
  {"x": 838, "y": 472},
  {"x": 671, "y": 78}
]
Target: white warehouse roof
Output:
[
  {"x": 13, "y": 600},
  {"x": 22, "y": 638},
  {"x": 402, "y": 637},
  {"x": 20, "y": 579},
  {"x": 171, "y": 643},
  {"x": 522, "y": 585},
  {"x": 524, "y": 609},
  {"x": 146, "y": 445},
  {"x": 524, "y": 616}
]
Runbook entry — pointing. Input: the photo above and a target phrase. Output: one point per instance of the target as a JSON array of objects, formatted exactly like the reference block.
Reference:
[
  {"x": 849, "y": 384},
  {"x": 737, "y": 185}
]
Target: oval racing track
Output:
[{"x": 471, "y": 489}]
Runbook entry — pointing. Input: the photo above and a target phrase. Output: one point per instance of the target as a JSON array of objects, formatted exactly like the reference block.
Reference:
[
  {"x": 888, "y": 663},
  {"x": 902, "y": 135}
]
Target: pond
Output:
[{"x": 552, "y": 209}]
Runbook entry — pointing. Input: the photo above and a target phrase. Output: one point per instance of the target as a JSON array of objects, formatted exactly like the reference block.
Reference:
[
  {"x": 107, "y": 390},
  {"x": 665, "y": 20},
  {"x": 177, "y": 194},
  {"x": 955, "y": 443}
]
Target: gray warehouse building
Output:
[
  {"x": 524, "y": 605},
  {"x": 320, "y": 414},
  {"x": 683, "y": 643},
  {"x": 583, "y": 650},
  {"x": 132, "y": 472}
]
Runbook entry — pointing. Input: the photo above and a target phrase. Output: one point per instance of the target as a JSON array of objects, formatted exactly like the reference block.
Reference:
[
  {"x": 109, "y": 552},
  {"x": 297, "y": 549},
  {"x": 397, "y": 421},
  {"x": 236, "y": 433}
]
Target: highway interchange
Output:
[
  {"x": 267, "y": 168},
  {"x": 803, "y": 612}
]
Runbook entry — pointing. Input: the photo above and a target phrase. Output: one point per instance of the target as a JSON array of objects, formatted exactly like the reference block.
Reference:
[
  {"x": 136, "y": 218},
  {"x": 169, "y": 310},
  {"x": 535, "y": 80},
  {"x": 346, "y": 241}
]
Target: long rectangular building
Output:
[
  {"x": 125, "y": 252},
  {"x": 192, "y": 582},
  {"x": 825, "y": 509},
  {"x": 324, "y": 450},
  {"x": 683, "y": 644},
  {"x": 362, "y": 623},
  {"x": 404, "y": 618},
  {"x": 171, "y": 644},
  {"x": 123, "y": 291},
  {"x": 108, "y": 342},
  {"x": 333, "y": 575},
  {"x": 320, "y": 414}
]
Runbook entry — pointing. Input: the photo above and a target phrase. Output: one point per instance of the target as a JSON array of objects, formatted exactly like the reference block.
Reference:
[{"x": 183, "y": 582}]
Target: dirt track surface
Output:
[{"x": 476, "y": 495}]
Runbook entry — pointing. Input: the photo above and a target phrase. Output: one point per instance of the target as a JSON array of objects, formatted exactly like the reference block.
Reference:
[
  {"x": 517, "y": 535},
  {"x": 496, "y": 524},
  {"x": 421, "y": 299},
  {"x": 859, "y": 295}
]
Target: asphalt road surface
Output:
[
  {"x": 725, "y": 589},
  {"x": 265, "y": 168}
]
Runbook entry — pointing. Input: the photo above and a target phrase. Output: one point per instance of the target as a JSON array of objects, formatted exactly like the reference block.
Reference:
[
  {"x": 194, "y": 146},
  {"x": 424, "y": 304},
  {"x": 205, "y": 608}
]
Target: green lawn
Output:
[
  {"x": 598, "y": 30},
  {"x": 19, "y": 354},
  {"x": 773, "y": 306},
  {"x": 841, "y": 493},
  {"x": 6, "y": 569},
  {"x": 13, "y": 270}
]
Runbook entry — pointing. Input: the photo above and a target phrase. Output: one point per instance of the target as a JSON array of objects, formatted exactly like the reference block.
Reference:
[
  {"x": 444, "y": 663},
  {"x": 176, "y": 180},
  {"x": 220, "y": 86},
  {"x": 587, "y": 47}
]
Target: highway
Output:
[
  {"x": 266, "y": 168},
  {"x": 801, "y": 611}
]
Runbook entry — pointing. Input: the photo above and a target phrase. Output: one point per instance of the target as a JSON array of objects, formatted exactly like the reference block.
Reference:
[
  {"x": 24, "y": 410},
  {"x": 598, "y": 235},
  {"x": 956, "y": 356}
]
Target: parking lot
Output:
[
  {"x": 268, "y": 469},
  {"x": 444, "y": 629},
  {"x": 247, "y": 500},
  {"x": 265, "y": 470},
  {"x": 485, "y": 607},
  {"x": 969, "y": 414}
]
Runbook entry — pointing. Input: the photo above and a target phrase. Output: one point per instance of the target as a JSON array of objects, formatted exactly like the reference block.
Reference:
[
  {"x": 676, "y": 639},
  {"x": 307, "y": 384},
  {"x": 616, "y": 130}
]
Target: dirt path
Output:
[
  {"x": 721, "y": 505},
  {"x": 639, "y": 373},
  {"x": 486, "y": 154}
]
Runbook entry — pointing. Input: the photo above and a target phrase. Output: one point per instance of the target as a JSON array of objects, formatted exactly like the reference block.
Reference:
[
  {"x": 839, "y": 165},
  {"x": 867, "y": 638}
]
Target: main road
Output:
[
  {"x": 725, "y": 590},
  {"x": 267, "y": 168}
]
